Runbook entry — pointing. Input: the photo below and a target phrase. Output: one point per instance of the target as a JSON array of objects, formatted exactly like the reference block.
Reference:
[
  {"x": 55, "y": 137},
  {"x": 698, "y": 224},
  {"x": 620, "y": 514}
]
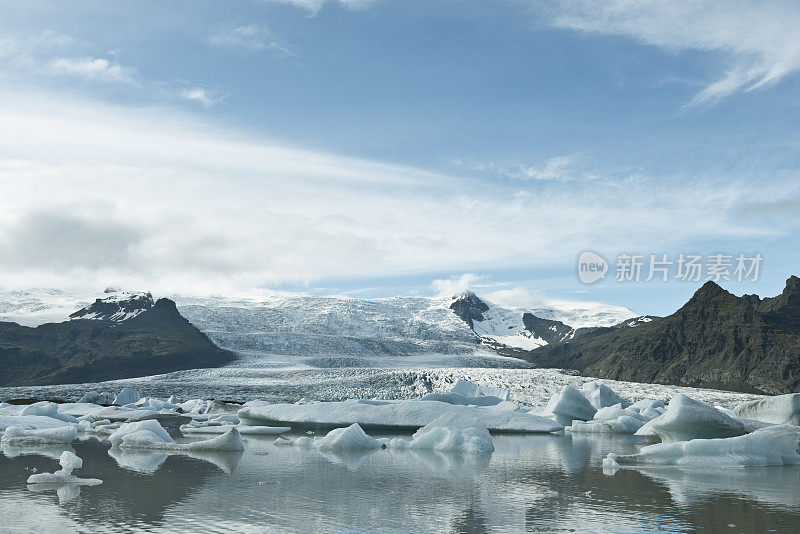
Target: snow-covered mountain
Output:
[
  {"x": 332, "y": 330},
  {"x": 529, "y": 328}
]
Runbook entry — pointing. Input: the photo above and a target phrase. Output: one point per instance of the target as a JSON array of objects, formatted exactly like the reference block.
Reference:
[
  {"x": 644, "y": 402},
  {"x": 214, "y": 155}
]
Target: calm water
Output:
[{"x": 529, "y": 484}]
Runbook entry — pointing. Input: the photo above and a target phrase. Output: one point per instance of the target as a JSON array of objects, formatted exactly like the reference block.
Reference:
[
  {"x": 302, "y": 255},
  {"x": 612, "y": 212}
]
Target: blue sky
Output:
[{"x": 372, "y": 147}]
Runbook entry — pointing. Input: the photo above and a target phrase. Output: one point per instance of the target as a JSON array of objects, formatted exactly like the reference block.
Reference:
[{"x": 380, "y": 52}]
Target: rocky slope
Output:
[
  {"x": 119, "y": 337},
  {"x": 716, "y": 340}
]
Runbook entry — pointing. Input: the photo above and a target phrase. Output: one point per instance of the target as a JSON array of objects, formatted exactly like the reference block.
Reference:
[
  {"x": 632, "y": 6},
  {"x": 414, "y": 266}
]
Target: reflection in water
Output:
[
  {"x": 530, "y": 483},
  {"x": 65, "y": 492},
  {"x": 48, "y": 451}
]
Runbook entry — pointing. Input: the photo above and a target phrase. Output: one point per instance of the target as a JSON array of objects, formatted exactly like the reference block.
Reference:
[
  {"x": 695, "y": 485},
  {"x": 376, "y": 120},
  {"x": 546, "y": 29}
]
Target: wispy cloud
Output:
[
  {"x": 313, "y": 6},
  {"x": 93, "y": 68},
  {"x": 251, "y": 37},
  {"x": 201, "y": 208},
  {"x": 757, "y": 41},
  {"x": 205, "y": 97}
]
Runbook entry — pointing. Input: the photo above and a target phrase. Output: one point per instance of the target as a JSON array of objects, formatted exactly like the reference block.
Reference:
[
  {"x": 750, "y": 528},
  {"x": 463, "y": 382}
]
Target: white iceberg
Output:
[
  {"x": 93, "y": 397},
  {"x": 47, "y": 409},
  {"x": 781, "y": 409},
  {"x": 19, "y": 436},
  {"x": 127, "y": 396},
  {"x": 451, "y": 397},
  {"x": 31, "y": 421},
  {"x": 774, "y": 445},
  {"x": 69, "y": 461},
  {"x": 569, "y": 405},
  {"x": 151, "y": 435},
  {"x": 600, "y": 395},
  {"x": 451, "y": 432},
  {"x": 470, "y": 389},
  {"x": 404, "y": 415},
  {"x": 623, "y": 424},
  {"x": 120, "y": 413},
  {"x": 687, "y": 419},
  {"x": 351, "y": 438}
]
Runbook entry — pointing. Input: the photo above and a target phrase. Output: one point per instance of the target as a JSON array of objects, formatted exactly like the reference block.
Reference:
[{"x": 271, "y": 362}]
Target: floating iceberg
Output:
[
  {"x": 351, "y": 438},
  {"x": 600, "y": 395},
  {"x": 623, "y": 424},
  {"x": 31, "y": 421},
  {"x": 451, "y": 432},
  {"x": 119, "y": 413},
  {"x": 405, "y": 415},
  {"x": 470, "y": 389},
  {"x": 47, "y": 409},
  {"x": 151, "y": 435},
  {"x": 569, "y": 405},
  {"x": 687, "y": 419},
  {"x": 69, "y": 461},
  {"x": 782, "y": 409},
  {"x": 774, "y": 445},
  {"x": 452, "y": 397},
  {"x": 19, "y": 436},
  {"x": 127, "y": 396},
  {"x": 93, "y": 397}
]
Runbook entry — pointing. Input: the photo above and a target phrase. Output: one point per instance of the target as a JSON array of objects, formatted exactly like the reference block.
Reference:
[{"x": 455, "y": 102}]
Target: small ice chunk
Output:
[
  {"x": 600, "y": 395},
  {"x": 615, "y": 411},
  {"x": 451, "y": 432},
  {"x": 17, "y": 435},
  {"x": 773, "y": 445},
  {"x": 90, "y": 397},
  {"x": 687, "y": 419},
  {"x": 243, "y": 429},
  {"x": 346, "y": 439},
  {"x": 69, "y": 461},
  {"x": 648, "y": 404},
  {"x": 569, "y": 405},
  {"x": 781, "y": 409},
  {"x": 127, "y": 396}
]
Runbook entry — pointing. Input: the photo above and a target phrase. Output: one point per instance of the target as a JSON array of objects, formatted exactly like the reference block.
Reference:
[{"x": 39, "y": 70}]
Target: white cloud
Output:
[
  {"x": 313, "y": 6},
  {"x": 206, "y": 97},
  {"x": 455, "y": 285},
  {"x": 159, "y": 199},
  {"x": 92, "y": 68},
  {"x": 251, "y": 37},
  {"x": 554, "y": 169},
  {"x": 758, "y": 41}
]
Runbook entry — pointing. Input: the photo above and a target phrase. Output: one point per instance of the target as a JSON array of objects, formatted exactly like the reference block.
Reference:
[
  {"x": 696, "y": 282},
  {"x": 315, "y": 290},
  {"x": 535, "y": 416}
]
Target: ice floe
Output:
[
  {"x": 404, "y": 415},
  {"x": 471, "y": 389},
  {"x": 773, "y": 445},
  {"x": 243, "y": 429},
  {"x": 17, "y": 435},
  {"x": 686, "y": 419}
]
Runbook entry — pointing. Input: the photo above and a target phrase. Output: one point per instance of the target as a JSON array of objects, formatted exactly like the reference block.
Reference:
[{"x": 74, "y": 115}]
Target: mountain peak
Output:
[
  {"x": 118, "y": 307},
  {"x": 707, "y": 291},
  {"x": 469, "y": 307}
]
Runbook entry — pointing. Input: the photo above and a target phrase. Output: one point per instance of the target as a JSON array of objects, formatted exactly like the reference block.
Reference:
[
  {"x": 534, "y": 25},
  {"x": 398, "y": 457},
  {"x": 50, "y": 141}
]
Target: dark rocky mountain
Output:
[
  {"x": 716, "y": 340},
  {"x": 113, "y": 338},
  {"x": 547, "y": 329},
  {"x": 116, "y": 308},
  {"x": 470, "y": 308}
]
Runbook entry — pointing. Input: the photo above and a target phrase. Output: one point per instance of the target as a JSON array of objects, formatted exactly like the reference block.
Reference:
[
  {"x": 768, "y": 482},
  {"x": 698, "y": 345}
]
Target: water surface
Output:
[{"x": 533, "y": 483}]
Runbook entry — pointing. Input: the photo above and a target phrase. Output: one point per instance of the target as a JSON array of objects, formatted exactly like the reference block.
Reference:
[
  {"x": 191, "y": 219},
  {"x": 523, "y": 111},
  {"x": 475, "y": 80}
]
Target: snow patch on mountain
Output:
[{"x": 117, "y": 307}]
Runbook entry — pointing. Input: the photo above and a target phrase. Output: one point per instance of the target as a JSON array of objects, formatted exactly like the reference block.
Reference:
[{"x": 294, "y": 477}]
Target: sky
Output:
[{"x": 383, "y": 147}]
